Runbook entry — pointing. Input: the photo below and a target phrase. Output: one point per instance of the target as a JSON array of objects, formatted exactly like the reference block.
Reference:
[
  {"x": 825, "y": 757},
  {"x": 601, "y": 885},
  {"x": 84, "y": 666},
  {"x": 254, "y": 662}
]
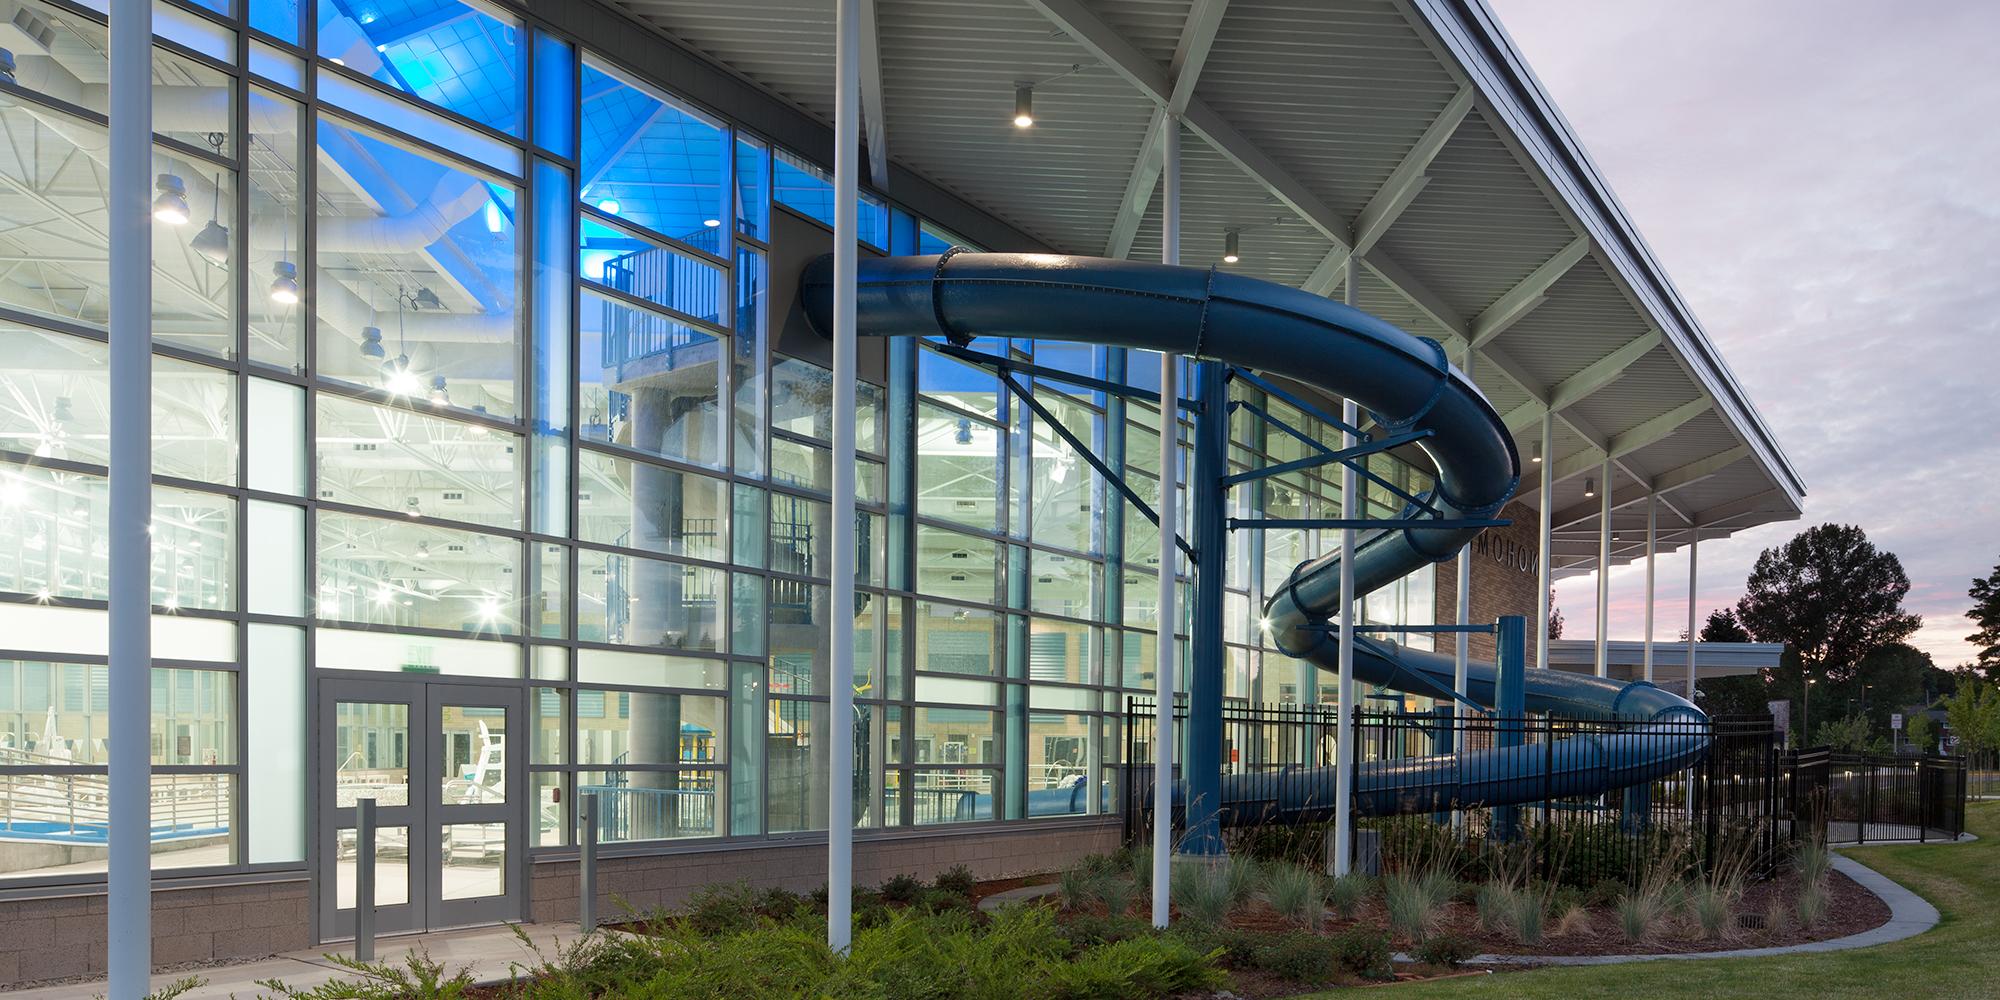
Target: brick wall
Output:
[
  {"x": 1504, "y": 573},
  {"x": 667, "y": 880},
  {"x": 63, "y": 936}
]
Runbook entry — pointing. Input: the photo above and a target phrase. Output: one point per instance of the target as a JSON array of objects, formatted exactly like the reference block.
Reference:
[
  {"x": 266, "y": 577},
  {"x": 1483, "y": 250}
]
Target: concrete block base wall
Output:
[
  {"x": 62, "y": 936},
  {"x": 644, "y": 883}
]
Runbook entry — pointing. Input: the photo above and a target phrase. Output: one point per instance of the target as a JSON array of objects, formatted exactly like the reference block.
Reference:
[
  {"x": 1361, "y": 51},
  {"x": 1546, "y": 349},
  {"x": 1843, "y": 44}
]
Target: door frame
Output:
[{"x": 425, "y": 815}]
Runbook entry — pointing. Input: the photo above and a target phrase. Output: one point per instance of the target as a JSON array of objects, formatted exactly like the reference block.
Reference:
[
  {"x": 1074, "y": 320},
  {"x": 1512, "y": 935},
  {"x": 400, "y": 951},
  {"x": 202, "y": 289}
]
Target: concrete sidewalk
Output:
[{"x": 490, "y": 952}]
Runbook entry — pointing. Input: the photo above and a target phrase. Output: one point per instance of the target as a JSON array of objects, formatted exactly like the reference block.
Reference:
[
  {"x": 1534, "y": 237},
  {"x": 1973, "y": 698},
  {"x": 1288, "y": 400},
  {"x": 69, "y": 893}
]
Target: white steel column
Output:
[
  {"x": 1603, "y": 657},
  {"x": 1544, "y": 573},
  {"x": 1343, "y": 729},
  {"x": 1652, "y": 537},
  {"x": 1694, "y": 552},
  {"x": 840, "y": 684},
  {"x": 1458, "y": 711},
  {"x": 129, "y": 910},
  {"x": 1168, "y": 659}
]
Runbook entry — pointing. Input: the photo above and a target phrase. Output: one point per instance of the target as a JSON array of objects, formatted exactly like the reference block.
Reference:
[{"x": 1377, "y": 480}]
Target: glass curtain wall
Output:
[{"x": 464, "y": 366}]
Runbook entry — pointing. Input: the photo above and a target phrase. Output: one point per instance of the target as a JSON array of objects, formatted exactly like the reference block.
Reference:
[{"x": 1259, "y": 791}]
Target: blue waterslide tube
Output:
[{"x": 1406, "y": 384}]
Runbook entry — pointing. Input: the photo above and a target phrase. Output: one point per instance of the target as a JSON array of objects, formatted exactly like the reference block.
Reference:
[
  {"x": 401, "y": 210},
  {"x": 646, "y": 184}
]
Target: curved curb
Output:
[{"x": 1909, "y": 916}]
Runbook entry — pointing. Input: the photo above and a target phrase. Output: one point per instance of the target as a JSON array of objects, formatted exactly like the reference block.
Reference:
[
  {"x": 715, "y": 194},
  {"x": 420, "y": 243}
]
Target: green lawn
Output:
[{"x": 1958, "y": 958}]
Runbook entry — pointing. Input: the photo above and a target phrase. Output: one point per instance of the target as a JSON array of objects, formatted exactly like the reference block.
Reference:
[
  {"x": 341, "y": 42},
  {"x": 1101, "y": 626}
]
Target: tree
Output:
[
  {"x": 1743, "y": 694},
  {"x": 1985, "y": 613},
  {"x": 1830, "y": 595},
  {"x": 1920, "y": 731},
  {"x": 1555, "y": 616},
  {"x": 1974, "y": 717},
  {"x": 1849, "y": 735}
]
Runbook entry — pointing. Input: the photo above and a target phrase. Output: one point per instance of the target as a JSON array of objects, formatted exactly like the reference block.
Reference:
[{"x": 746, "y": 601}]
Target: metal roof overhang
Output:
[
  {"x": 1408, "y": 134},
  {"x": 1627, "y": 658}
]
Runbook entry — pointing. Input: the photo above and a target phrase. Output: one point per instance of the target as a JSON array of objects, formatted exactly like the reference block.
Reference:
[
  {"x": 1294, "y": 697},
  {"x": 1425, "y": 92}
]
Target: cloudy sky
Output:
[{"x": 1821, "y": 179}]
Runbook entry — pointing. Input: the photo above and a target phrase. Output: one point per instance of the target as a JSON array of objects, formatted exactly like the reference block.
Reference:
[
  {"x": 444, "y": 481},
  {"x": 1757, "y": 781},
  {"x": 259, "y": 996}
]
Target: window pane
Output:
[
  {"x": 418, "y": 274},
  {"x": 802, "y": 403},
  {"x": 634, "y": 601},
  {"x": 639, "y": 505},
  {"x": 552, "y": 338},
  {"x": 1064, "y": 585},
  {"x": 957, "y": 640},
  {"x": 274, "y": 753},
  {"x": 56, "y": 405},
  {"x": 277, "y": 234},
  {"x": 407, "y": 461},
  {"x": 958, "y": 468},
  {"x": 650, "y": 727},
  {"x": 461, "y": 57},
  {"x": 955, "y": 736},
  {"x": 653, "y": 160},
  {"x": 746, "y": 355},
  {"x": 804, "y": 187},
  {"x": 654, "y": 805},
  {"x": 957, "y": 566},
  {"x": 650, "y": 382},
  {"x": 194, "y": 550},
  {"x": 753, "y": 189},
  {"x": 399, "y": 572},
  {"x": 625, "y": 262}
]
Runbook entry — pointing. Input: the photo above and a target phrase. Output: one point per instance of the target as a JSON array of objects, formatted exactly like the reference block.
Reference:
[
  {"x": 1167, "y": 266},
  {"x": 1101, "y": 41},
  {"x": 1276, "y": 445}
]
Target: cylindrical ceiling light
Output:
[
  {"x": 1024, "y": 105},
  {"x": 1231, "y": 247},
  {"x": 1589, "y": 487},
  {"x": 170, "y": 205},
  {"x": 285, "y": 287},
  {"x": 1538, "y": 453}
]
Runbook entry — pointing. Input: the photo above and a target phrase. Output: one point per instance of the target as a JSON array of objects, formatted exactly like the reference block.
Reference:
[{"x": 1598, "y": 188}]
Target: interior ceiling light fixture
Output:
[
  {"x": 1024, "y": 105},
  {"x": 1231, "y": 247},
  {"x": 439, "y": 394},
  {"x": 1589, "y": 487},
  {"x": 371, "y": 341},
  {"x": 1538, "y": 453},
  {"x": 170, "y": 205},
  {"x": 212, "y": 243},
  {"x": 285, "y": 291}
]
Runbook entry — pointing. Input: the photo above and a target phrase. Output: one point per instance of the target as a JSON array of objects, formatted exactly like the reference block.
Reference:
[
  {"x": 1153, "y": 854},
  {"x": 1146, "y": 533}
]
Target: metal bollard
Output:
[
  {"x": 364, "y": 880},
  {"x": 586, "y": 870}
]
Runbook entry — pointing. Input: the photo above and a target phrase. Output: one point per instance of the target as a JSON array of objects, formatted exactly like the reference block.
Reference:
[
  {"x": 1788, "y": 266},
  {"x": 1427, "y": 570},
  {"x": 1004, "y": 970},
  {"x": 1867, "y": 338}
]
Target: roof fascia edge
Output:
[
  {"x": 1471, "y": 32},
  {"x": 659, "y": 58}
]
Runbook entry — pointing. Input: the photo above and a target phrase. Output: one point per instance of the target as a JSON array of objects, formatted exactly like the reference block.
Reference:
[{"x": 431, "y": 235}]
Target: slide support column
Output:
[
  {"x": 1510, "y": 703},
  {"x": 1206, "y": 665}
]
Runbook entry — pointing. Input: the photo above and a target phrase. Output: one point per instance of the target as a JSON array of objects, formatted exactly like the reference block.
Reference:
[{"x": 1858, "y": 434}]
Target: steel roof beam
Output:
[
  {"x": 874, "y": 130},
  {"x": 1410, "y": 176},
  {"x": 1532, "y": 291},
  {"x": 1152, "y": 80},
  {"x": 1583, "y": 384},
  {"x": 1138, "y": 188},
  {"x": 1197, "y": 36}
]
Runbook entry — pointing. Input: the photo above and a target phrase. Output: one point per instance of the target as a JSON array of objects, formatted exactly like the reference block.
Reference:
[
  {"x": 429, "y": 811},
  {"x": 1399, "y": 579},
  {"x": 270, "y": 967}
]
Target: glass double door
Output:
[{"x": 437, "y": 760}]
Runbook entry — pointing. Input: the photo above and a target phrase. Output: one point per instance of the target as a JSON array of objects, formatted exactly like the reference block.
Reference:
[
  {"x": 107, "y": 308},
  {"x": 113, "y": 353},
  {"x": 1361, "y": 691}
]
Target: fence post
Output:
[
  {"x": 1923, "y": 804},
  {"x": 364, "y": 880},
  {"x": 586, "y": 861}
]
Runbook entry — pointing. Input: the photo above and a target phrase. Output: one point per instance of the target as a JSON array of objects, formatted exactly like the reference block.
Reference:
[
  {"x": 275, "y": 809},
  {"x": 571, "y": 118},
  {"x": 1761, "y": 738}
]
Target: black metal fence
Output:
[
  {"x": 1870, "y": 797},
  {"x": 1594, "y": 799}
]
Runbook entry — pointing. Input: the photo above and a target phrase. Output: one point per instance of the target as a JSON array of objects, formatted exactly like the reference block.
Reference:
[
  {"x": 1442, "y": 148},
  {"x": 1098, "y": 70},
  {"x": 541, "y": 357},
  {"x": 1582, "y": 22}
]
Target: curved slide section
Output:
[{"x": 1406, "y": 384}]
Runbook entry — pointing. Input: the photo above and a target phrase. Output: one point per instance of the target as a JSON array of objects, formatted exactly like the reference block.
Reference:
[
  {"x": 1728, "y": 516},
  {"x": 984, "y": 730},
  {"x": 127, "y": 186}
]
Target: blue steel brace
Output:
[{"x": 1510, "y": 703}]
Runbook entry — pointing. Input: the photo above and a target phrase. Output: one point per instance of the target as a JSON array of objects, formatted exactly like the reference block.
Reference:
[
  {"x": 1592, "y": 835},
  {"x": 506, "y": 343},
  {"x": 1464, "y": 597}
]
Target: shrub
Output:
[
  {"x": 1115, "y": 893},
  {"x": 945, "y": 901},
  {"x": 778, "y": 903},
  {"x": 1711, "y": 906},
  {"x": 1203, "y": 891},
  {"x": 1495, "y": 902},
  {"x": 1231, "y": 945},
  {"x": 1086, "y": 929},
  {"x": 1296, "y": 894},
  {"x": 1412, "y": 903},
  {"x": 1142, "y": 868},
  {"x": 1301, "y": 956},
  {"x": 957, "y": 880},
  {"x": 1812, "y": 904},
  {"x": 1364, "y": 951},
  {"x": 1638, "y": 915},
  {"x": 418, "y": 978},
  {"x": 1346, "y": 893},
  {"x": 1446, "y": 950},
  {"x": 901, "y": 889},
  {"x": 1134, "y": 968},
  {"x": 722, "y": 908},
  {"x": 1527, "y": 913},
  {"x": 1076, "y": 887},
  {"x": 1244, "y": 876},
  {"x": 1573, "y": 919}
]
